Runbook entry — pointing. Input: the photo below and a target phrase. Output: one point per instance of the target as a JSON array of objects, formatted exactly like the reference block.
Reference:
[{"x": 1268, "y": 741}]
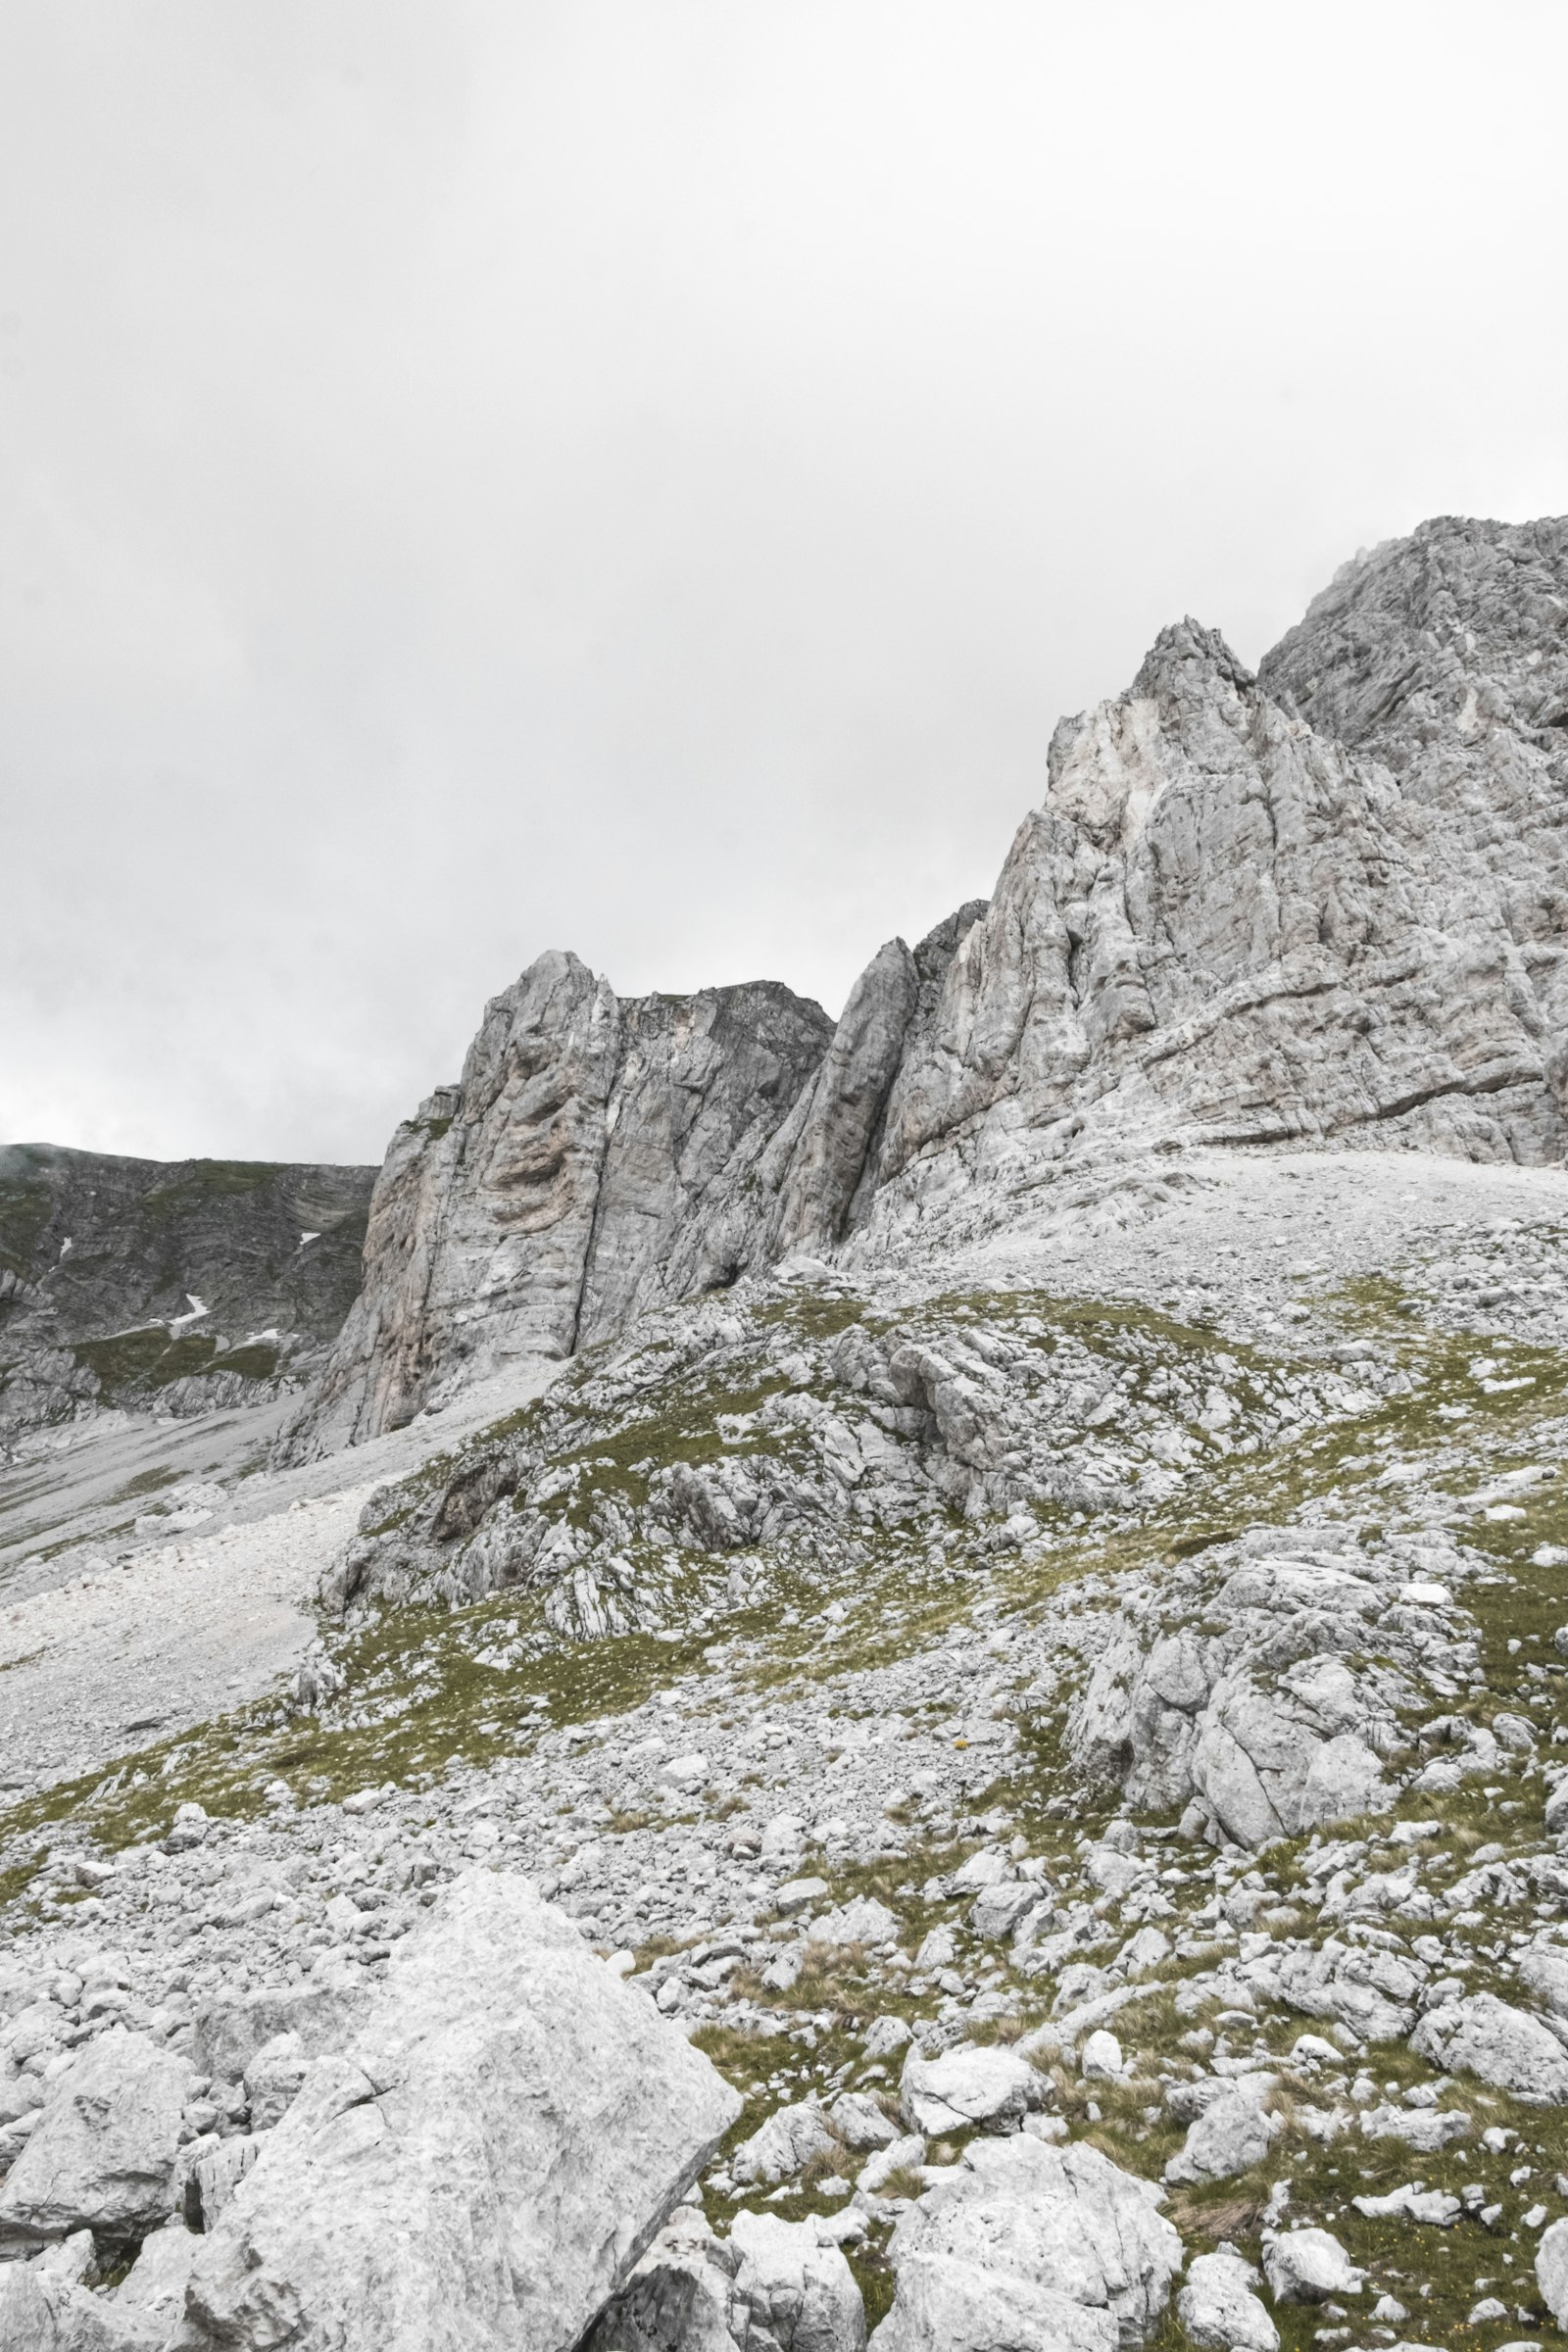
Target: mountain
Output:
[
  {"x": 184, "y": 1284},
  {"x": 926, "y": 1708},
  {"x": 1322, "y": 906}
]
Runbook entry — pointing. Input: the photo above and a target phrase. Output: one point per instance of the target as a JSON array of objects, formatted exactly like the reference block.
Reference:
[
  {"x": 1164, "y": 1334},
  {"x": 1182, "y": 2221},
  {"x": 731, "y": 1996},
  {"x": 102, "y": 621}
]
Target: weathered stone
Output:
[
  {"x": 784, "y": 2144},
  {"x": 508, "y": 2130},
  {"x": 992, "y": 2088},
  {"x": 771, "y": 2286},
  {"x": 230, "y": 2031},
  {"x": 1487, "y": 2037},
  {"x": 102, "y": 2157},
  {"x": 1037, "y": 2248},
  {"x": 1218, "y": 2309},
  {"x": 1552, "y": 2270},
  {"x": 1309, "y": 2265},
  {"x": 1231, "y": 2135}
]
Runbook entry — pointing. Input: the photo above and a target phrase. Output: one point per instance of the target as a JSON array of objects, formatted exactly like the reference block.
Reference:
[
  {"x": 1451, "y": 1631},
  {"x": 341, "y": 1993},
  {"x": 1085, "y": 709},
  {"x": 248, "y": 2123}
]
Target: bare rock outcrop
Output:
[
  {"x": 1322, "y": 906},
  {"x": 595, "y": 1157}
]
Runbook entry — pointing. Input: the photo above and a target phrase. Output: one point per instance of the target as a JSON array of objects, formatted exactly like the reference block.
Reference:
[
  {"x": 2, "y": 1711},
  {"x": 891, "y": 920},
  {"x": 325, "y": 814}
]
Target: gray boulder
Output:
[
  {"x": 482, "y": 2168},
  {"x": 1232, "y": 2135},
  {"x": 155, "y": 2285},
  {"x": 1309, "y": 2265},
  {"x": 990, "y": 2087},
  {"x": 1218, "y": 2309},
  {"x": 102, "y": 2156},
  {"x": 1490, "y": 2039},
  {"x": 1031, "y": 2247},
  {"x": 1545, "y": 1975},
  {"x": 784, "y": 2144},
  {"x": 1374, "y": 1992}
]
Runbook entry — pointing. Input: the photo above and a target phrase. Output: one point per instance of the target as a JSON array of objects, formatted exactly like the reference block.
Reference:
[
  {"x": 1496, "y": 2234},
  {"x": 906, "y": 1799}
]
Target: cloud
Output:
[{"x": 481, "y": 478}]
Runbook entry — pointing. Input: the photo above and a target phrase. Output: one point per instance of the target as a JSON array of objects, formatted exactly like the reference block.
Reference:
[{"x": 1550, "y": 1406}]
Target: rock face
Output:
[
  {"x": 595, "y": 1157},
  {"x": 482, "y": 2168},
  {"x": 1325, "y": 904},
  {"x": 100, "y": 1259}
]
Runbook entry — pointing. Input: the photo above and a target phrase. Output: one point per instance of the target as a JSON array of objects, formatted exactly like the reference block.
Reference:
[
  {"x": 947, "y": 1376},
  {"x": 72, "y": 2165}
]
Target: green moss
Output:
[
  {"x": 255, "y": 1360},
  {"x": 202, "y": 1182}
]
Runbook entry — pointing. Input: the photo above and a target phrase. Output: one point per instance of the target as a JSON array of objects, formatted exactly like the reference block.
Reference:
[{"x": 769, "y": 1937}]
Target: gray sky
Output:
[{"x": 646, "y": 477}]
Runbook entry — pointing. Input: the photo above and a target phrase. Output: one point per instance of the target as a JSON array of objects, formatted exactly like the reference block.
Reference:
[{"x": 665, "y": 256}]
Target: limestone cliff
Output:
[
  {"x": 1321, "y": 905},
  {"x": 596, "y": 1156}
]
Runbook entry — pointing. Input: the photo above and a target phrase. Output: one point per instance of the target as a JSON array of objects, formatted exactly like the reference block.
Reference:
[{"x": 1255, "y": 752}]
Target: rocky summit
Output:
[{"x": 892, "y": 1681}]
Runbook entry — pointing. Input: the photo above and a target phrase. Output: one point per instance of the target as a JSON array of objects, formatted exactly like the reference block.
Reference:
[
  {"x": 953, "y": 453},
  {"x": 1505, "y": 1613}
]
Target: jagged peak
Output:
[{"x": 1182, "y": 649}]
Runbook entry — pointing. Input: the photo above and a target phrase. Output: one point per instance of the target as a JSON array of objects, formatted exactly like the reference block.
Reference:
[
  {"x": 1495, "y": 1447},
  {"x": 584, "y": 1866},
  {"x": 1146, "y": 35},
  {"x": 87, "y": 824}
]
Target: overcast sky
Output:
[{"x": 646, "y": 477}]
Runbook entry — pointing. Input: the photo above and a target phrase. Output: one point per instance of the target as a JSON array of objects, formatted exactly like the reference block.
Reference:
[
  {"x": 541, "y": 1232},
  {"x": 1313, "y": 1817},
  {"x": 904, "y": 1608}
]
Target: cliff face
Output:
[
  {"x": 595, "y": 1157},
  {"x": 1326, "y": 903},
  {"x": 104, "y": 1261}
]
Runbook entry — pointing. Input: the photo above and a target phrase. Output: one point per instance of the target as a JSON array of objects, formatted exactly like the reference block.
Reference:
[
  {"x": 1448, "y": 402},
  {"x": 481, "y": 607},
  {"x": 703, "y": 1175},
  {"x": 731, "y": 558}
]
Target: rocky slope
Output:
[
  {"x": 1323, "y": 906},
  {"x": 984, "y": 1771},
  {"x": 176, "y": 1286}
]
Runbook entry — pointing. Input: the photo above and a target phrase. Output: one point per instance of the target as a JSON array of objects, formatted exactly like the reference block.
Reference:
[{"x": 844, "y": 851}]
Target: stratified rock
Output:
[
  {"x": 102, "y": 2157},
  {"x": 1326, "y": 905},
  {"x": 484, "y": 2165},
  {"x": 104, "y": 1261},
  {"x": 1037, "y": 2248},
  {"x": 1490, "y": 2039}
]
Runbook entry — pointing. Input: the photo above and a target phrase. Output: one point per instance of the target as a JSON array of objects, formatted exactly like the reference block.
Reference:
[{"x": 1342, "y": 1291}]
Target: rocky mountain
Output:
[
  {"x": 930, "y": 1707},
  {"x": 1323, "y": 906},
  {"x": 183, "y": 1285}
]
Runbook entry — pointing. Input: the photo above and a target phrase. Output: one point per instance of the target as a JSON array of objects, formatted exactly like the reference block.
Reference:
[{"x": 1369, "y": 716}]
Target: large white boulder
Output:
[
  {"x": 994, "y": 2088},
  {"x": 1483, "y": 2036},
  {"x": 102, "y": 2156},
  {"x": 1218, "y": 2309},
  {"x": 1031, "y": 2247},
  {"x": 483, "y": 2164}
]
